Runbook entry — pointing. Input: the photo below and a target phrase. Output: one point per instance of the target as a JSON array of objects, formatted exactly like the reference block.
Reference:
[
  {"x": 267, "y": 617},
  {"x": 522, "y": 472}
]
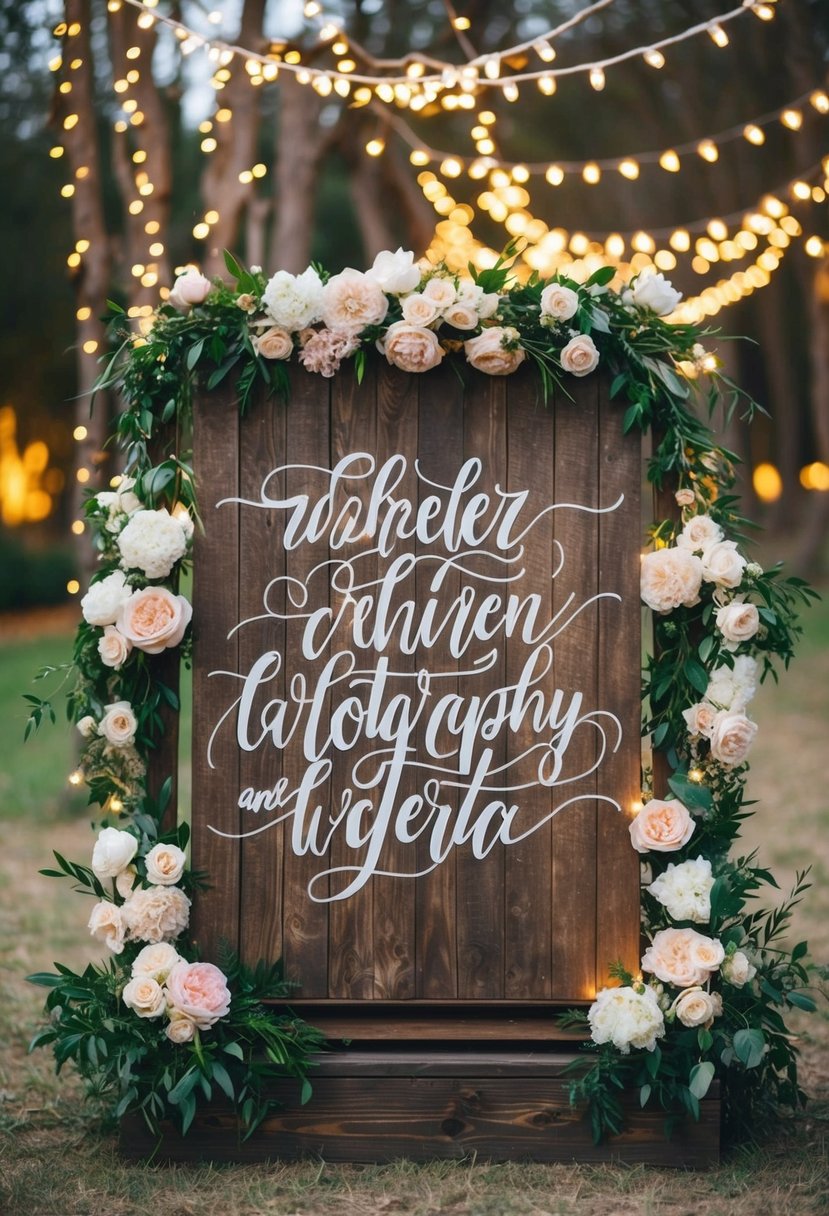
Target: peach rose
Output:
[
  {"x": 274, "y": 343},
  {"x": 180, "y": 1028},
  {"x": 351, "y": 302},
  {"x": 699, "y": 719},
  {"x": 731, "y": 737},
  {"x": 144, "y": 996},
  {"x": 676, "y": 956},
  {"x": 661, "y": 827},
  {"x": 461, "y": 316},
  {"x": 154, "y": 619},
  {"x": 106, "y": 924},
  {"x": 199, "y": 990},
  {"x": 706, "y": 952},
  {"x": 119, "y": 724},
  {"x": 685, "y": 498},
  {"x": 696, "y": 1007},
  {"x": 488, "y": 352},
  {"x": 737, "y": 623},
  {"x": 418, "y": 310},
  {"x": 165, "y": 864},
  {"x": 411, "y": 348},
  {"x": 670, "y": 578},
  {"x": 580, "y": 356},
  {"x": 114, "y": 648},
  {"x": 723, "y": 565}
]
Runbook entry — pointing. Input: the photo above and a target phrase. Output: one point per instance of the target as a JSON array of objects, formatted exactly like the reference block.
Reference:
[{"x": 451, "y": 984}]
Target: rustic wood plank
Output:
[
  {"x": 574, "y": 827},
  {"x": 528, "y": 864},
  {"x": 215, "y": 611},
  {"x": 619, "y": 651},
  {"x": 480, "y": 881},
  {"x": 453, "y": 1027},
  {"x": 261, "y": 560},
  {"x": 351, "y": 920},
  {"x": 305, "y": 931},
  {"x": 394, "y": 907},
  {"x": 440, "y": 450}
]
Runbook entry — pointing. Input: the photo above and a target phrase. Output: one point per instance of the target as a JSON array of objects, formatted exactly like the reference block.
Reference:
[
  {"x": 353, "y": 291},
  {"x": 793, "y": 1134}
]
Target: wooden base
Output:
[{"x": 380, "y": 1105}]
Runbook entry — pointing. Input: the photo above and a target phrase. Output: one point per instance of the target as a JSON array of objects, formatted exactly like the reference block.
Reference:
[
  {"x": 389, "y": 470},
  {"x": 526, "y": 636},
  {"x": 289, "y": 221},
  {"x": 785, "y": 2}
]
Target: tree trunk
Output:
[{"x": 299, "y": 146}]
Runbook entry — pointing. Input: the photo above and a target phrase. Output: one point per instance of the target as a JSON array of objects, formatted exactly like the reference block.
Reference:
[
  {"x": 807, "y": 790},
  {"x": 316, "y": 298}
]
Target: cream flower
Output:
[
  {"x": 495, "y": 351},
  {"x": 165, "y": 864},
  {"x": 293, "y": 301},
  {"x": 733, "y": 688},
  {"x": 395, "y": 272},
  {"x": 559, "y": 303},
  {"x": 113, "y": 852},
  {"x": 180, "y": 1028},
  {"x": 682, "y": 957},
  {"x": 700, "y": 533},
  {"x": 442, "y": 292},
  {"x": 274, "y": 343},
  {"x": 731, "y": 737},
  {"x": 723, "y": 565},
  {"x": 670, "y": 578},
  {"x": 119, "y": 724},
  {"x": 685, "y": 498},
  {"x": 144, "y": 996},
  {"x": 661, "y": 827},
  {"x": 87, "y": 726},
  {"x": 580, "y": 356},
  {"x": 411, "y": 348},
  {"x": 419, "y": 310},
  {"x": 113, "y": 648},
  {"x": 737, "y": 970},
  {"x": 200, "y": 991},
  {"x": 699, "y": 719},
  {"x": 106, "y": 924},
  {"x": 684, "y": 890},
  {"x": 351, "y": 302},
  {"x": 155, "y": 961},
  {"x": 152, "y": 541},
  {"x": 154, "y": 619},
  {"x": 626, "y": 1018},
  {"x": 156, "y": 914},
  {"x": 652, "y": 290},
  {"x": 460, "y": 316},
  {"x": 696, "y": 1007},
  {"x": 737, "y": 623}
]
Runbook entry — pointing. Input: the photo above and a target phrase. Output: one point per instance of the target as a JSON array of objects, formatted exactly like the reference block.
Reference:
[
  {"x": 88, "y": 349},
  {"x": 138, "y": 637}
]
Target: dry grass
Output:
[{"x": 57, "y": 1160}]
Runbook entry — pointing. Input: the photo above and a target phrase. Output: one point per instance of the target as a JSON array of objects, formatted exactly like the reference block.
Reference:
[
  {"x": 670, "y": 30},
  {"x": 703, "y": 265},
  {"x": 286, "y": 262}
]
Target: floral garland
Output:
[{"x": 157, "y": 1030}]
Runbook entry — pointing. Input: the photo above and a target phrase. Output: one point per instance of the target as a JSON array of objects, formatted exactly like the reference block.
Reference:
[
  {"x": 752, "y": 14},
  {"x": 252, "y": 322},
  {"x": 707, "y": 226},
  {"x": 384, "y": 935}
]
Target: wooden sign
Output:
[{"x": 416, "y": 687}]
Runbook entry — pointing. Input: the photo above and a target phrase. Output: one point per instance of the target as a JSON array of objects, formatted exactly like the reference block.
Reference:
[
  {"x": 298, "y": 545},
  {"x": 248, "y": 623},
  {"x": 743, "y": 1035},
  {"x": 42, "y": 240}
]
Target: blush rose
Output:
[
  {"x": 154, "y": 619},
  {"x": 661, "y": 827},
  {"x": 199, "y": 991}
]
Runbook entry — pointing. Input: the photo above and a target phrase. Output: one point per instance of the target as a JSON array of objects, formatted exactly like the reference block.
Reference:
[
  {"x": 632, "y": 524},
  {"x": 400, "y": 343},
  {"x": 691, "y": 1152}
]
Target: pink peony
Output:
[
  {"x": 323, "y": 351},
  {"x": 351, "y": 302},
  {"x": 199, "y": 991}
]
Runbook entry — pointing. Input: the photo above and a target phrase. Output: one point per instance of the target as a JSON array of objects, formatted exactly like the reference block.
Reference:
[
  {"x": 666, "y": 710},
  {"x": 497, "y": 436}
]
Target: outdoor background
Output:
[{"x": 280, "y": 175}]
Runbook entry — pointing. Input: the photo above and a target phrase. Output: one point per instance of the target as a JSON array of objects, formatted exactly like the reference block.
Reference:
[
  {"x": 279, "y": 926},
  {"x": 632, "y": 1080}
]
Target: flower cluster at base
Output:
[{"x": 715, "y": 978}]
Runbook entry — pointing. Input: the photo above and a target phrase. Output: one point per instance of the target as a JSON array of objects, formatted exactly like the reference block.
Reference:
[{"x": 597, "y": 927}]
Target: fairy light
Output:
[
  {"x": 793, "y": 119},
  {"x": 629, "y": 168},
  {"x": 597, "y": 79},
  {"x": 708, "y": 150},
  {"x": 718, "y": 35},
  {"x": 669, "y": 161}
]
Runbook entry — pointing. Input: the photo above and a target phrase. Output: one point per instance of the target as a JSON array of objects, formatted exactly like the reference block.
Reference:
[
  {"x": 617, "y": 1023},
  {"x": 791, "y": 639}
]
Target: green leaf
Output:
[
  {"x": 749, "y": 1047},
  {"x": 305, "y": 1092},
  {"x": 194, "y": 354},
  {"x": 602, "y": 276},
  {"x": 802, "y": 1002},
  {"x": 644, "y": 1094},
  {"x": 696, "y": 675},
  {"x": 233, "y": 1049},
  {"x": 700, "y": 1079},
  {"x": 233, "y": 266},
  {"x": 222, "y": 1078},
  {"x": 705, "y": 1039}
]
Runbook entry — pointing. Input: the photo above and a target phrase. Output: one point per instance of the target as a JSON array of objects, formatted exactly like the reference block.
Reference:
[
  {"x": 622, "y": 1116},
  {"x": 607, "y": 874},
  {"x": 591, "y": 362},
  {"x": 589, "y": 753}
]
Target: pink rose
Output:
[
  {"x": 731, "y": 737},
  {"x": 580, "y": 356},
  {"x": 199, "y": 991},
  {"x": 189, "y": 288},
  {"x": 682, "y": 957},
  {"x": 670, "y": 578},
  {"x": 411, "y": 348},
  {"x": 495, "y": 351},
  {"x": 661, "y": 827},
  {"x": 351, "y": 302},
  {"x": 154, "y": 619}
]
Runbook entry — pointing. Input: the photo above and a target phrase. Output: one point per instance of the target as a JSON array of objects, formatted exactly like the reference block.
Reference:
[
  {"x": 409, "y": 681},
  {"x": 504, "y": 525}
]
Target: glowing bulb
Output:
[
  {"x": 654, "y": 59},
  {"x": 718, "y": 35},
  {"x": 510, "y": 92},
  {"x": 708, "y": 150},
  {"x": 597, "y": 79},
  {"x": 554, "y": 175},
  {"x": 669, "y": 161},
  {"x": 814, "y": 247},
  {"x": 75, "y": 778},
  {"x": 642, "y": 242},
  {"x": 78, "y": 527},
  {"x": 793, "y": 119},
  {"x": 717, "y": 230},
  {"x": 451, "y": 167},
  {"x": 767, "y": 482},
  {"x": 629, "y": 169},
  {"x": 547, "y": 85},
  {"x": 820, "y": 101},
  {"x": 754, "y": 134},
  {"x": 591, "y": 173},
  {"x": 802, "y": 190},
  {"x": 201, "y": 231},
  {"x": 375, "y": 147}
]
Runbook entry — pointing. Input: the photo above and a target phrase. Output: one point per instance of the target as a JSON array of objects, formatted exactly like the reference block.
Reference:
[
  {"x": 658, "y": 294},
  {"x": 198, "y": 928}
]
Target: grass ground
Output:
[{"x": 57, "y": 1160}]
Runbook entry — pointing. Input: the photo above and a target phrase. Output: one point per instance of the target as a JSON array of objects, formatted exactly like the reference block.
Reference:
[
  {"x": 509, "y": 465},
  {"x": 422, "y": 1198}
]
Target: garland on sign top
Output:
[{"x": 156, "y": 1030}]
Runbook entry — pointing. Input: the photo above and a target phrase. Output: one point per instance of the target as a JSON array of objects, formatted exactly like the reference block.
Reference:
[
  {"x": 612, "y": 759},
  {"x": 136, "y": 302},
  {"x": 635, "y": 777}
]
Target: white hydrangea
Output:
[
  {"x": 733, "y": 689},
  {"x": 103, "y": 600},
  {"x": 684, "y": 890},
  {"x": 294, "y": 300},
  {"x": 626, "y": 1018},
  {"x": 152, "y": 541}
]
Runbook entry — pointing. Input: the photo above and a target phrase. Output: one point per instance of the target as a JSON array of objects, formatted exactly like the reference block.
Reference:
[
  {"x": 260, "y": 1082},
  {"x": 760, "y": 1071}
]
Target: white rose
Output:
[
  {"x": 113, "y": 852},
  {"x": 699, "y": 719},
  {"x": 180, "y": 1028},
  {"x": 706, "y": 952},
  {"x": 441, "y": 292},
  {"x": 558, "y": 302},
  {"x": 696, "y": 1007},
  {"x": 418, "y": 310},
  {"x": 395, "y": 272},
  {"x": 156, "y": 961},
  {"x": 152, "y": 541},
  {"x": 113, "y": 648},
  {"x": 165, "y": 864},
  {"x": 733, "y": 688},
  {"x": 145, "y": 996},
  {"x": 684, "y": 890},
  {"x": 488, "y": 304},
  {"x": 294, "y": 301},
  {"x": 461, "y": 316},
  {"x": 106, "y": 924},
  {"x": 731, "y": 737},
  {"x": 700, "y": 532},
  {"x": 189, "y": 288},
  {"x": 626, "y": 1018},
  {"x": 737, "y": 623},
  {"x": 652, "y": 290},
  {"x": 670, "y": 578},
  {"x": 126, "y": 499},
  {"x": 87, "y": 726},
  {"x": 723, "y": 565},
  {"x": 119, "y": 724},
  {"x": 737, "y": 970},
  {"x": 580, "y": 356},
  {"x": 103, "y": 599}
]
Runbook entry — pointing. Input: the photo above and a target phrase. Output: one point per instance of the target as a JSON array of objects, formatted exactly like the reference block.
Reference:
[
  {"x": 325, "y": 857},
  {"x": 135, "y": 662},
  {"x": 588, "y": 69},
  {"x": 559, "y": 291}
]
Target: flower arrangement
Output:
[{"x": 157, "y": 1029}]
